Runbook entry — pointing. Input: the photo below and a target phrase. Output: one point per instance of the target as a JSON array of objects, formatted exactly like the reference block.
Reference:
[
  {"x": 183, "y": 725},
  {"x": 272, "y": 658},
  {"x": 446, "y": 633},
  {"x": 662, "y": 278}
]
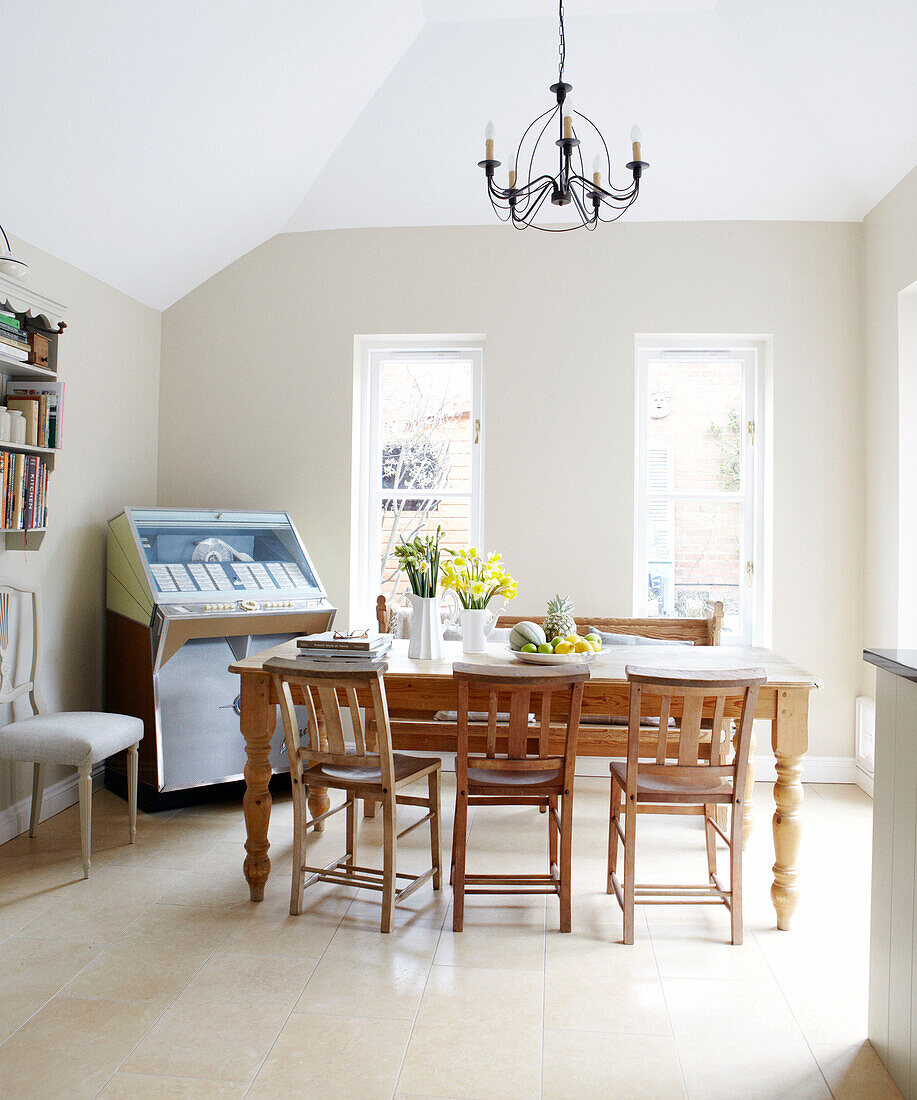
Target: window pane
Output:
[
  {"x": 426, "y": 425},
  {"x": 399, "y": 521},
  {"x": 694, "y": 427},
  {"x": 694, "y": 555}
]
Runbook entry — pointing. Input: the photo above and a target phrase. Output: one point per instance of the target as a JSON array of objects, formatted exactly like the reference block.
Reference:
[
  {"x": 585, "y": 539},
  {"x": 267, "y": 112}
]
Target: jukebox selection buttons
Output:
[
  {"x": 219, "y": 607},
  {"x": 275, "y": 605}
]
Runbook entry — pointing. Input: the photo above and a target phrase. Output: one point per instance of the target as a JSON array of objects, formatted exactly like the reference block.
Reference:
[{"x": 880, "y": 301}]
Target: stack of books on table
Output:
[
  {"x": 343, "y": 654},
  {"x": 14, "y": 344}
]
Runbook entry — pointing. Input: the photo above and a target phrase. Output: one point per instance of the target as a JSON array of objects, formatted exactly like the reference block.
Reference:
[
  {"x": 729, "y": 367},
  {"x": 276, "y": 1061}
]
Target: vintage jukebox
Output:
[{"x": 189, "y": 592}]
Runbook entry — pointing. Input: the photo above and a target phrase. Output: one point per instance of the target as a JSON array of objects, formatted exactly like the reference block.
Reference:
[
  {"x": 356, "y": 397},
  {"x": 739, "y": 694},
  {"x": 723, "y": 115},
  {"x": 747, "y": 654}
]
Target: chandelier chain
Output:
[{"x": 562, "y": 45}]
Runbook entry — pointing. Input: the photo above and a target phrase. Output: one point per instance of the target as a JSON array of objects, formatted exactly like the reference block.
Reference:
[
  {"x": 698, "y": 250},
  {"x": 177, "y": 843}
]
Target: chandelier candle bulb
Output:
[
  {"x": 489, "y": 134},
  {"x": 597, "y": 171},
  {"x": 635, "y": 138},
  {"x": 568, "y": 118},
  {"x": 512, "y": 177}
]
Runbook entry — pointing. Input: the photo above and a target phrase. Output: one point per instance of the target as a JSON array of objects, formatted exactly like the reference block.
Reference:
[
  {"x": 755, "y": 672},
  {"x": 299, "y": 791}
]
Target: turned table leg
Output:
[
  {"x": 258, "y": 721},
  {"x": 318, "y": 796},
  {"x": 789, "y": 737}
]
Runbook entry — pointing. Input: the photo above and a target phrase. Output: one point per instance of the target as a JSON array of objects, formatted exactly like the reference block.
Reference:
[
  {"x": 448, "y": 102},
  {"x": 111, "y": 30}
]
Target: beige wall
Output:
[
  {"x": 890, "y": 248},
  {"x": 109, "y": 359},
  {"x": 257, "y": 383}
]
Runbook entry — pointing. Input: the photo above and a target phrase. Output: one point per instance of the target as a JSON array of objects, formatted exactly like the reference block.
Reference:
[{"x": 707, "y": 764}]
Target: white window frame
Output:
[
  {"x": 754, "y": 354},
  {"x": 366, "y": 496}
]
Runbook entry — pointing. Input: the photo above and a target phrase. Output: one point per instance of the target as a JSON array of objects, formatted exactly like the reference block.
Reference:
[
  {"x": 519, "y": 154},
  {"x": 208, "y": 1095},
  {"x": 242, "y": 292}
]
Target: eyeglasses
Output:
[{"x": 353, "y": 634}]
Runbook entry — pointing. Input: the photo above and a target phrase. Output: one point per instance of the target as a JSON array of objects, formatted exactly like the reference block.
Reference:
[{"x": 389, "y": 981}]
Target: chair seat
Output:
[
  {"x": 344, "y": 776},
  {"x": 70, "y": 737},
  {"x": 653, "y": 787},
  {"x": 515, "y": 780}
]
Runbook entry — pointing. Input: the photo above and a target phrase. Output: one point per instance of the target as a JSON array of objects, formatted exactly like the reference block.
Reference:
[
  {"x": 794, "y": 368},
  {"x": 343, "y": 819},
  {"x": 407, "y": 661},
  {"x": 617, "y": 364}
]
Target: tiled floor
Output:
[{"x": 157, "y": 977}]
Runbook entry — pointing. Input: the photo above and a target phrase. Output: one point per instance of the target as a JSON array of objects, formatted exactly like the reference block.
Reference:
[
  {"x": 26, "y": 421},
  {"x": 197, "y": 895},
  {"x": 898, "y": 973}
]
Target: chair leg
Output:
[
  {"x": 566, "y": 860},
  {"x": 389, "y": 849},
  {"x": 735, "y": 872},
  {"x": 132, "y": 761},
  {"x": 552, "y": 836},
  {"x": 630, "y": 849},
  {"x": 459, "y": 840},
  {"x": 614, "y": 811},
  {"x": 38, "y": 789},
  {"x": 435, "y": 837},
  {"x": 300, "y": 796},
  {"x": 85, "y": 787},
  {"x": 710, "y": 837},
  {"x": 351, "y": 814}
]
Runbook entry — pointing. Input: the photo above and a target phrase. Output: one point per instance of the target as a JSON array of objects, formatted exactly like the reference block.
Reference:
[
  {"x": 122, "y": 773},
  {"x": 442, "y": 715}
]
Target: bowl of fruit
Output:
[{"x": 555, "y": 643}]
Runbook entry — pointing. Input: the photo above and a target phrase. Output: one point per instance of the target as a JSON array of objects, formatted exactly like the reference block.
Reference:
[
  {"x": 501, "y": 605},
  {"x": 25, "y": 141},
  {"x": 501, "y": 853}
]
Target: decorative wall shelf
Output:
[{"x": 19, "y": 298}]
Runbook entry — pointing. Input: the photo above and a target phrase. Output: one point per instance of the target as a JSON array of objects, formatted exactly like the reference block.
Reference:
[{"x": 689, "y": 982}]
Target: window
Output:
[
  {"x": 418, "y": 458},
  {"x": 699, "y": 488}
]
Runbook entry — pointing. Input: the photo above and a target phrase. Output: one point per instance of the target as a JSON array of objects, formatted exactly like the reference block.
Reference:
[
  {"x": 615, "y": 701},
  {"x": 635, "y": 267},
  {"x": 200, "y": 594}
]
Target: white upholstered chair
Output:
[{"x": 77, "y": 738}]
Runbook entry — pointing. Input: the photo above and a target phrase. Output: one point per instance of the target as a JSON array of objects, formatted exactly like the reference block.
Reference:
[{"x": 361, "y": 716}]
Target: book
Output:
[
  {"x": 10, "y": 319},
  {"x": 8, "y": 330},
  {"x": 327, "y": 640},
  {"x": 13, "y": 341},
  {"x": 50, "y": 413},
  {"x": 343, "y": 655},
  {"x": 347, "y": 665},
  {"x": 29, "y": 407},
  {"x": 17, "y": 354}
]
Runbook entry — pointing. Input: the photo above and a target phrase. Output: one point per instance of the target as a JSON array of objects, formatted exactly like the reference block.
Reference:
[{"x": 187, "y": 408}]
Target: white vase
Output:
[
  {"x": 426, "y": 642},
  {"x": 476, "y": 625}
]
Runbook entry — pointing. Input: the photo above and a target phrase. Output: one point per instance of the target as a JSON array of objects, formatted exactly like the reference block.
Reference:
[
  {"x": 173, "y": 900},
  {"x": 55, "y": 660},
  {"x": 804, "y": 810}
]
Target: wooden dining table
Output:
[{"x": 426, "y": 688}]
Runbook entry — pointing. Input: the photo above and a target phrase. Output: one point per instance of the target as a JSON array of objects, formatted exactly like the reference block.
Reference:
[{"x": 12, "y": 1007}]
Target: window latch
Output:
[
  {"x": 749, "y": 573},
  {"x": 751, "y": 432},
  {"x": 477, "y": 431}
]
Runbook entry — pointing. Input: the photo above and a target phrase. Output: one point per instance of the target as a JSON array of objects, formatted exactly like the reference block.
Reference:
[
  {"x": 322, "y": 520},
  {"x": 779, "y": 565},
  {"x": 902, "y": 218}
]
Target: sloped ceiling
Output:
[{"x": 153, "y": 142}]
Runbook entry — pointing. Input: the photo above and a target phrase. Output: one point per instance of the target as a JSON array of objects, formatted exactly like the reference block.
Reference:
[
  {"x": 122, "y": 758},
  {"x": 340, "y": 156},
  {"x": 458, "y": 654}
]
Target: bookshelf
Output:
[{"x": 30, "y": 306}]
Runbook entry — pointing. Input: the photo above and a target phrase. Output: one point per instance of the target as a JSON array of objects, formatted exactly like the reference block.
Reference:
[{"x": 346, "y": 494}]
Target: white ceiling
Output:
[{"x": 153, "y": 142}]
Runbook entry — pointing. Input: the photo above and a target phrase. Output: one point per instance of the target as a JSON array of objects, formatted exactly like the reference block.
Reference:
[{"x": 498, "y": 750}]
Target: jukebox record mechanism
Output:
[{"x": 212, "y": 550}]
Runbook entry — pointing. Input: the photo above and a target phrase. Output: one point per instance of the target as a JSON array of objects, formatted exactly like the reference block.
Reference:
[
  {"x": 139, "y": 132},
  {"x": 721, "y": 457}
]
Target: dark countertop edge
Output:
[{"x": 901, "y": 662}]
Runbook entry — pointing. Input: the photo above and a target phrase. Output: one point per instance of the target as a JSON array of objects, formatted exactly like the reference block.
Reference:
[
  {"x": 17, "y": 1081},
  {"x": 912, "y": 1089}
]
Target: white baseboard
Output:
[
  {"x": 864, "y": 781},
  {"x": 59, "y": 796}
]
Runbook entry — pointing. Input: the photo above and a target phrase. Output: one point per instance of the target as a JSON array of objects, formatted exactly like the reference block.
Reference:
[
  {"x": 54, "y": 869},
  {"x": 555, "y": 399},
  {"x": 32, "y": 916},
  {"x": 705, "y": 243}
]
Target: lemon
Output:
[
  {"x": 596, "y": 647},
  {"x": 593, "y": 637},
  {"x": 582, "y": 646},
  {"x": 555, "y": 641},
  {"x": 545, "y": 647},
  {"x": 572, "y": 638},
  {"x": 564, "y": 647},
  {"x": 529, "y": 648}
]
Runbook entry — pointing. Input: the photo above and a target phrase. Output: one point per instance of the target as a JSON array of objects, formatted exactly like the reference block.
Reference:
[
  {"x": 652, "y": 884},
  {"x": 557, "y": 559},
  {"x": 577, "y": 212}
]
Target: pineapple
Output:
[{"x": 559, "y": 619}]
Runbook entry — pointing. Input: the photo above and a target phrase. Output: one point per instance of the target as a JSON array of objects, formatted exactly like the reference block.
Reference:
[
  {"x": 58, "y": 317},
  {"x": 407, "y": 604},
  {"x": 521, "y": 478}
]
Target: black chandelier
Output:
[{"x": 593, "y": 203}]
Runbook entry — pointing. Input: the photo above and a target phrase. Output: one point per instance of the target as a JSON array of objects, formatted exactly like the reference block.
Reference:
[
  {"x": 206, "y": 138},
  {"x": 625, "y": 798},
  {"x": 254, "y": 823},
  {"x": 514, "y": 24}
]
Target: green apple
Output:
[
  {"x": 545, "y": 647},
  {"x": 529, "y": 648}
]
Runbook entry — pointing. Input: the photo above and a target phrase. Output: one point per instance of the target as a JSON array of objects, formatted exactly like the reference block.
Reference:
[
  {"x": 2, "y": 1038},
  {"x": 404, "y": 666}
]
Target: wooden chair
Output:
[
  {"x": 360, "y": 773},
  {"x": 523, "y": 774},
  {"x": 697, "y": 781},
  {"x": 74, "y": 738}
]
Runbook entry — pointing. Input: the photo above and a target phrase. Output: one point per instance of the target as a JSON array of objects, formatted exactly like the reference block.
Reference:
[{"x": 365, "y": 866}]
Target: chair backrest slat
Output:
[
  {"x": 493, "y": 706},
  {"x": 355, "y": 718},
  {"x": 544, "y": 731},
  {"x": 692, "y": 709},
  {"x": 331, "y": 712},
  {"x": 517, "y": 741},
  {"x": 718, "y": 748},
  {"x": 662, "y": 739}
]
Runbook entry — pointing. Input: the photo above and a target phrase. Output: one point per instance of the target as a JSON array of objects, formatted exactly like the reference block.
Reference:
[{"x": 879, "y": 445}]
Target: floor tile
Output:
[
  {"x": 628, "y": 1067},
  {"x": 71, "y": 1047},
  {"x": 223, "y": 1024},
  {"x": 854, "y": 1071},
  {"x": 487, "y": 998},
  {"x": 139, "y": 1086},
  {"x": 31, "y": 972},
  {"x": 467, "y": 1060},
  {"x": 346, "y": 987},
  {"x": 334, "y": 1057}
]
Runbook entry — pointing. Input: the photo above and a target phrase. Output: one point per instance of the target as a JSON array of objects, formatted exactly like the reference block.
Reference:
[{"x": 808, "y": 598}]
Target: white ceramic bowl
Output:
[{"x": 554, "y": 658}]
